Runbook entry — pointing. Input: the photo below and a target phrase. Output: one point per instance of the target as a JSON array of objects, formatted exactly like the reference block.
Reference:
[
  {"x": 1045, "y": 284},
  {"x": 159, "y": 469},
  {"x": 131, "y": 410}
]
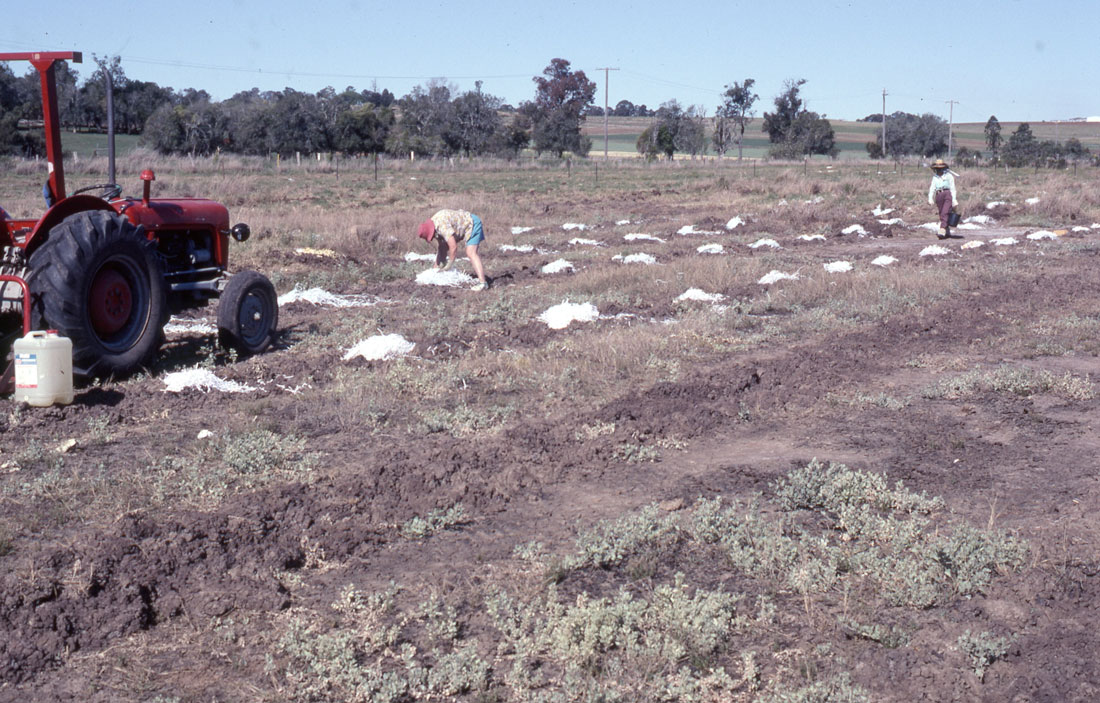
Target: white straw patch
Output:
[
  {"x": 636, "y": 236},
  {"x": 585, "y": 242},
  {"x": 838, "y": 266},
  {"x": 379, "y": 347},
  {"x": 435, "y": 277},
  {"x": 557, "y": 266},
  {"x": 934, "y": 250},
  {"x": 620, "y": 223},
  {"x": 1079, "y": 228},
  {"x": 1042, "y": 234},
  {"x": 973, "y": 245},
  {"x": 561, "y": 315},
  {"x": 690, "y": 229},
  {"x": 636, "y": 259},
  {"x": 523, "y": 248},
  {"x": 775, "y": 276},
  {"x": 854, "y": 229},
  {"x": 413, "y": 256},
  {"x": 179, "y": 325},
  {"x": 1032, "y": 201},
  {"x": 995, "y": 203},
  {"x": 1003, "y": 241},
  {"x": 980, "y": 220},
  {"x": 968, "y": 226},
  {"x": 812, "y": 237},
  {"x": 203, "y": 380},
  {"x": 713, "y": 248},
  {"x": 323, "y": 253},
  {"x": 697, "y": 294},
  {"x": 881, "y": 211},
  {"x": 892, "y": 221},
  {"x": 765, "y": 243},
  {"x": 884, "y": 260},
  {"x": 735, "y": 222},
  {"x": 521, "y": 230},
  {"x": 574, "y": 225},
  {"x": 320, "y": 296},
  {"x": 930, "y": 226}
]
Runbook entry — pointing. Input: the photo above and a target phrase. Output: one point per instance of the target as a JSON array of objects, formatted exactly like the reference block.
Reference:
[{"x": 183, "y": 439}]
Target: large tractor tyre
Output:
[
  {"x": 248, "y": 313},
  {"x": 97, "y": 280}
]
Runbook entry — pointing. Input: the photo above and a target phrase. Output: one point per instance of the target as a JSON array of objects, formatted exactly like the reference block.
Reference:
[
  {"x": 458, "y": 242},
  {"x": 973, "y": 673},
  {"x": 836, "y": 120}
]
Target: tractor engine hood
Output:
[{"x": 176, "y": 213}]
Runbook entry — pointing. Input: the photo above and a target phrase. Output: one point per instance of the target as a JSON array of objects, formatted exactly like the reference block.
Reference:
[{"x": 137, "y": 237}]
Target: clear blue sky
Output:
[{"x": 1016, "y": 59}]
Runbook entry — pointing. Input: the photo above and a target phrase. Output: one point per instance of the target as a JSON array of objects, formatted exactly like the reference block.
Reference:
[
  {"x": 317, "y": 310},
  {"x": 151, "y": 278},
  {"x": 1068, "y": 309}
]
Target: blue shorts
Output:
[{"x": 477, "y": 236}]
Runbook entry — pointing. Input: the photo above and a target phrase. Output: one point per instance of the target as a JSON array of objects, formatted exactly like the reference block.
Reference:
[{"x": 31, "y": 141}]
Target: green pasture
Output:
[{"x": 90, "y": 144}]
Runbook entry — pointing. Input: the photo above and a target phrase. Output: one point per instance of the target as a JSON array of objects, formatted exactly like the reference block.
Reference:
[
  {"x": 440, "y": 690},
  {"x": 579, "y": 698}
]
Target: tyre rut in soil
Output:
[
  {"x": 97, "y": 281},
  {"x": 248, "y": 313}
]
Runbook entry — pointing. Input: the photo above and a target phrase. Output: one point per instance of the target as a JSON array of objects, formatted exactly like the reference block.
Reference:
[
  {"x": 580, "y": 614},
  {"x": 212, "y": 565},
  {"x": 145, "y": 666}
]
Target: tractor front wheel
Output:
[
  {"x": 96, "y": 280},
  {"x": 248, "y": 313}
]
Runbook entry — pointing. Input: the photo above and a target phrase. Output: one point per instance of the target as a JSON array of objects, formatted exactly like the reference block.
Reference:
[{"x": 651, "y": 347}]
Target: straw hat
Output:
[{"x": 938, "y": 164}]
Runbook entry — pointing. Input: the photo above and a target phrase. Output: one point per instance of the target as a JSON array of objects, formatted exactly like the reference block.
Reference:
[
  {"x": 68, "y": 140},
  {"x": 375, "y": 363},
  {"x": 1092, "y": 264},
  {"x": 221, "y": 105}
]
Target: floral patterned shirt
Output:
[{"x": 453, "y": 223}]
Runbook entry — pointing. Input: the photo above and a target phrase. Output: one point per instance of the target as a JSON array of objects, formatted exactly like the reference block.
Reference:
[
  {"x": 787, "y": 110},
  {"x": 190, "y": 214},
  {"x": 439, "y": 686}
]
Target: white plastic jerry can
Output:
[{"x": 44, "y": 369}]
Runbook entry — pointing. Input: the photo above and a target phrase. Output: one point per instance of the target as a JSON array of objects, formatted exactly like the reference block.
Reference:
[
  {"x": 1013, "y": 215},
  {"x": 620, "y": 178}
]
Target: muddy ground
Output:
[{"x": 172, "y": 603}]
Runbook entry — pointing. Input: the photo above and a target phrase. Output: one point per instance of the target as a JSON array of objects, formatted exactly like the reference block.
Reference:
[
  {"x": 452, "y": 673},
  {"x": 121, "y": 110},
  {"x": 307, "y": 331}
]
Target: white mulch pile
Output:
[
  {"x": 1095, "y": 225},
  {"x": 521, "y": 230},
  {"x": 620, "y": 223},
  {"x": 203, "y": 380},
  {"x": 980, "y": 220},
  {"x": 697, "y": 294},
  {"x": 714, "y": 248},
  {"x": 995, "y": 203},
  {"x": 413, "y": 256},
  {"x": 574, "y": 225},
  {"x": 1032, "y": 201},
  {"x": 1079, "y": 228},
  {"x": 765, "y": 243},
  {"x": 854, "y": 229},
  {"x": 838, "y": 266},
  {"x": 636, "y": 259},
  {"x": 934, "y": 250},
  {"x": 1003, "y": 241},
  {"x": 524, "y": 248},
  {"x": 639, "y": 236},
  {"x": 775, "y": 276},
  {"x": 320, "y": 296},
  {"x": 884, "y": 260},
  {"x": 881, "y": 211},
  {"x": 968, "y": 226},
  {"x": 973, "y": 245},
  {"x": 557, "y": 266},
  {"x": 892, "y": 221},
  {"x": 179, "y": 325},
  {"x": 1042, "y": 234},
  {"x": 735, "y": 222},
  {"x": 930, "y": 226},
  {"x": 435, "y": 277},
  {"x": 585, "y": 242},
  {"x": 690, "y": 229},
  {"x": 379, "y": 347},
  {"x": 561, "y": 315},
  {"x": 812, "y": 237}
]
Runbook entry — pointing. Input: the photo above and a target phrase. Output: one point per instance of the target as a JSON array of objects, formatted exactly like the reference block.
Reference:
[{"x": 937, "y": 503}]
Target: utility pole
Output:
[
  {"x": 950, "y": 124},
  {"x": 605, "y": 108},
  {"x": 884, "y": 123}
]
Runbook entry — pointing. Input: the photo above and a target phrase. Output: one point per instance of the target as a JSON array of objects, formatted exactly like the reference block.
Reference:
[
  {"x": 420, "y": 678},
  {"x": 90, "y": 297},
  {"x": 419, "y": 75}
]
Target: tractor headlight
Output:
[{"x": 241, "y": 232}]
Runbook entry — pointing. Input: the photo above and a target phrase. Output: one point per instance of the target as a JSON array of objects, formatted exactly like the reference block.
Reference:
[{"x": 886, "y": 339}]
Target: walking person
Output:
[
  {"x": 448, "y": 228},
  {"x": 942, "y": 194}
]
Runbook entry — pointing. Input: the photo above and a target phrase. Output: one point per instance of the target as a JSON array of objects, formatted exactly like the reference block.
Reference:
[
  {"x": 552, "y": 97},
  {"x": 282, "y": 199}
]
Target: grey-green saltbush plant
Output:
[
  {"x": 983, "y": 649},
  {"x": 611, "y": 542},
  {"x": 436, "y": 521}
]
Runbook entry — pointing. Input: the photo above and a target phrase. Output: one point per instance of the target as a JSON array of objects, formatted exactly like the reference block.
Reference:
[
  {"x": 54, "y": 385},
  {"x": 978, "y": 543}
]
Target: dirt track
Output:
[{"x": 73, "y": 607}]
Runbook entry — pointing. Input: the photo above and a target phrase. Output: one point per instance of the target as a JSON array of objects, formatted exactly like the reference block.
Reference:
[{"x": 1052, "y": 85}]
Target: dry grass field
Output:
[{"x": 873, "y": 480}]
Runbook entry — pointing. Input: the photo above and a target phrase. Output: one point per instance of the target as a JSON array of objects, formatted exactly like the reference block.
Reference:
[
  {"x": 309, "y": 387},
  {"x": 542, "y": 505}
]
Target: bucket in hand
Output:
[{"x": 953, "y": 219}]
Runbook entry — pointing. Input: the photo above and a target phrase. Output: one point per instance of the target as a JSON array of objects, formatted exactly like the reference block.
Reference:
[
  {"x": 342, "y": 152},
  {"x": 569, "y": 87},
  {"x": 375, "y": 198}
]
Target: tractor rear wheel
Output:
[
  {"x": 97, "y": 280},
  {"x": 248, "y": 313}
]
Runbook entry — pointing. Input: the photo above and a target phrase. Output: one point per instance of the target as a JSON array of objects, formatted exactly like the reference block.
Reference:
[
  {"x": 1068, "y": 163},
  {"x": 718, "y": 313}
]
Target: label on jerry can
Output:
[{"x": 26, "y": 371}]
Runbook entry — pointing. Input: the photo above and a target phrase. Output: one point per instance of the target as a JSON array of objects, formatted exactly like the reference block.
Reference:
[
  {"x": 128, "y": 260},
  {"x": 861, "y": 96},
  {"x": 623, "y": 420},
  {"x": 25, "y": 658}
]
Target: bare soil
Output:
[{"x": 169, "y": 601}]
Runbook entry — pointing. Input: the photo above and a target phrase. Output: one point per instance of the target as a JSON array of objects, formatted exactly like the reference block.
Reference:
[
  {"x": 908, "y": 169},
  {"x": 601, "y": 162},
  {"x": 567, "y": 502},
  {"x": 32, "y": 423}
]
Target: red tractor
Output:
[{"x": 106, "y": 270}]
